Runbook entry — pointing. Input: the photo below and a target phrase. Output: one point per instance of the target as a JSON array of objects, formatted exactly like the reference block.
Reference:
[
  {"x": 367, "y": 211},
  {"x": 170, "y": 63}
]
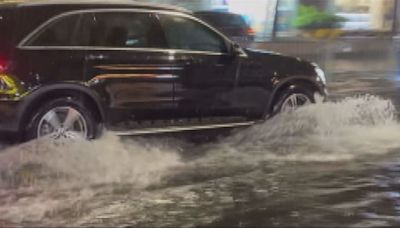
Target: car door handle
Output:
[{"x": 96, "y": 57}]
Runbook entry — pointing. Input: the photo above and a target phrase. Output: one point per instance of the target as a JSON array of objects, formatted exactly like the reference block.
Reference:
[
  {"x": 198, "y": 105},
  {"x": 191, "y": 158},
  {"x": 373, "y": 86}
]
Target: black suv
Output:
[{"x": 70, "y": 69}]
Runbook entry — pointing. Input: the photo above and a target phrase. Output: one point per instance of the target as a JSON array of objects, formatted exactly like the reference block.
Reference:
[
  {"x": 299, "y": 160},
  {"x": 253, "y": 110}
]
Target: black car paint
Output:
[{"x": 202, "y": 84}]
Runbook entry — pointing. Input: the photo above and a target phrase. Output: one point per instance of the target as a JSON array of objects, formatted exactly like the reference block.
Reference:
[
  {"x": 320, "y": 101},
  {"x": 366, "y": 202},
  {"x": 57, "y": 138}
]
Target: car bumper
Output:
[{"x": 10, "y": 116}]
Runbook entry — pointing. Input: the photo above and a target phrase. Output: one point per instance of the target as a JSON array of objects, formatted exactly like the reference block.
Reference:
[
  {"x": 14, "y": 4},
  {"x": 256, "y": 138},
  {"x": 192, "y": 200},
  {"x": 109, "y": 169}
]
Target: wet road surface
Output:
[{"x": 332, "y": 164}]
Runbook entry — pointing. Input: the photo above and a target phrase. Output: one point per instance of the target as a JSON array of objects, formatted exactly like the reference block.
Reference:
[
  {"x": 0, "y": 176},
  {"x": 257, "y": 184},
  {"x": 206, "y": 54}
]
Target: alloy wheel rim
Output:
[
  {"x": 294, "y": 101},
  {"x": 62, "y": 123}
]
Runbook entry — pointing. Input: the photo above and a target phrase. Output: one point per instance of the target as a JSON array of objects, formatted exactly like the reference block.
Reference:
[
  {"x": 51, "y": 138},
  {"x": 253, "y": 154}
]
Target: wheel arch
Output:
[
  {"x": 49, "y": 92},
  {"x": 291, "y": 82}
]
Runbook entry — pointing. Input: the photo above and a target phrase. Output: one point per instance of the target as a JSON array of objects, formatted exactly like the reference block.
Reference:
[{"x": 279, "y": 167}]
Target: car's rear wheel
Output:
[
  {"x": 293, "y": 98},
  {"x": 63, "y": 118}
]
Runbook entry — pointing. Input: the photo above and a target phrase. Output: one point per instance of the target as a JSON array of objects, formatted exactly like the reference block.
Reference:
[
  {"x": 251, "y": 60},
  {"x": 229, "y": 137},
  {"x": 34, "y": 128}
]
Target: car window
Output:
[
  {"x": 121, "y": 29},
  {"x": 58, "y": 33},
  {"x": 187, "y": 34}
]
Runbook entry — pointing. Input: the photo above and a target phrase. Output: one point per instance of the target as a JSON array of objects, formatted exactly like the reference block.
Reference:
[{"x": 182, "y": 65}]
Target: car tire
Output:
[
  {"x": 61, "y": 112},
  {"x": 293, "y": 97}
]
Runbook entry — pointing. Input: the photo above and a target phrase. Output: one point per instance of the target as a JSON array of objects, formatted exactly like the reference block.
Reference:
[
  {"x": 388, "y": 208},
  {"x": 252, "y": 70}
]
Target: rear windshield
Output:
[
  {"x": 224, "y": 20},
  {"x": 7, "y": 25}
]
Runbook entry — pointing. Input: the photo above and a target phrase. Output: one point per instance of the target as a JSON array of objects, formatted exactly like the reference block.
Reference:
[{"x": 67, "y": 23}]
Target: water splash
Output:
[
  {"x": 108, "y": 160},
  {"x": 329, "y": 131},
  {"x": 40, "y": 180}
]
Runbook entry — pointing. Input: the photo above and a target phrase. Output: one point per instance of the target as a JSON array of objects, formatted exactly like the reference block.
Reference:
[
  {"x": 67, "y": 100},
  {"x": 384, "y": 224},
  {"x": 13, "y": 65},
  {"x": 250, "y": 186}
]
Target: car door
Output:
[
  {"x": 206, "y": 86},
  {"x": 48, "y": 54},
  {"x": 126, "y": 59}
]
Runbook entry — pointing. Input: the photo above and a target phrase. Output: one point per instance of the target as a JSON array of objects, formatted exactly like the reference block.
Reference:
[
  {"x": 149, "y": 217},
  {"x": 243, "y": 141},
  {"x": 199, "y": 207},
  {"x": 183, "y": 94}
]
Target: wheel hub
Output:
[
  {"x": 62, "y": 123},
  {"x": 294, "y": 101}
]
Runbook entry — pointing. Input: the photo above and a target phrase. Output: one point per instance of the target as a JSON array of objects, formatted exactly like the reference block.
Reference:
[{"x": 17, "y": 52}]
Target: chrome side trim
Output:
[
  {"x": 154, "y": 76},
  {"x": 137, "y": 67},
  {"x": 152, "y": 99},
  {"x": 89, "y": 48},
  {"x": 181, "y": 129},
  {"x": 51, "y": 20}
]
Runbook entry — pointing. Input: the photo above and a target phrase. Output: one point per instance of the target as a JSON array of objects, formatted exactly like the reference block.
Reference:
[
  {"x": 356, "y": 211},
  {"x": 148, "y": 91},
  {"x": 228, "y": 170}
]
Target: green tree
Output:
[{"x": 309, "y": 17}]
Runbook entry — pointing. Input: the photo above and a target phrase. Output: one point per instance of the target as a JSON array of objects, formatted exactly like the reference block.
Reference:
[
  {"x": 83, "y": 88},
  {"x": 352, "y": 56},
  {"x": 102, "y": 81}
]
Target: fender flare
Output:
[
  {"x": 43, "y": 90},
  {"x": 294, "y": 81}
]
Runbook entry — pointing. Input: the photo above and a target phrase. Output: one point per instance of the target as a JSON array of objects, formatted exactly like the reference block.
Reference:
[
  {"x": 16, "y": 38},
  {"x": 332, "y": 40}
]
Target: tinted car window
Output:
[
  {"x": 58, "y": 33},
  {"x": 188, "y": 34},
  {"x": 121, "y": 29}
]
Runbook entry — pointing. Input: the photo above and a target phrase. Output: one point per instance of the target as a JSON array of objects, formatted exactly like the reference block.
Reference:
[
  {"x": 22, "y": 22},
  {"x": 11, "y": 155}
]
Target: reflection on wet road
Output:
[{"x": 331, "y": 164}]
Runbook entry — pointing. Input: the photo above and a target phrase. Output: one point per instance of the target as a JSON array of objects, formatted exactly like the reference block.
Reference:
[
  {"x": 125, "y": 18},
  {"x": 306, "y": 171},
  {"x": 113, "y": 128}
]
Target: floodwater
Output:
[{"x": 331, "y": 164}]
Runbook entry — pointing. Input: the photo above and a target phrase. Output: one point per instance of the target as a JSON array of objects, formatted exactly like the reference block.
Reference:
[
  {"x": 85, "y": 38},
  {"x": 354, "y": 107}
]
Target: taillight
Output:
[{"x": 3, "y": 65}]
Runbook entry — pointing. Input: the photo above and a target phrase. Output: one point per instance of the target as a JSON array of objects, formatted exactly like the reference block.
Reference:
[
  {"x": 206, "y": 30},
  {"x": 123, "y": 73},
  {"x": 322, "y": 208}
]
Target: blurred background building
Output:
[{"x": 272, "y": 19}]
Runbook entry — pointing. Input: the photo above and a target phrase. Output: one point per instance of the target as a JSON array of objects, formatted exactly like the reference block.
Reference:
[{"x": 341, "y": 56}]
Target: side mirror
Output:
[{"x": 236, "y": 50}]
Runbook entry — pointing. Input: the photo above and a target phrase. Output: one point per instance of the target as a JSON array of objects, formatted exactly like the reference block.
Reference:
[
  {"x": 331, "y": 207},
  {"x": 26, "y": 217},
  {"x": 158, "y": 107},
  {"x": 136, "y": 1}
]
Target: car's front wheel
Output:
[
  {"x": 293, "y": 98},
  {"x": 62, "y": 118}
]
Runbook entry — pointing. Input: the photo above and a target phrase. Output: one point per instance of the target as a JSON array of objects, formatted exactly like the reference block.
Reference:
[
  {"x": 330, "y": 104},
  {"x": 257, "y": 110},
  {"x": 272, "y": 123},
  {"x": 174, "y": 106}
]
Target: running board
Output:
[{"x": 172, "y": 129}]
